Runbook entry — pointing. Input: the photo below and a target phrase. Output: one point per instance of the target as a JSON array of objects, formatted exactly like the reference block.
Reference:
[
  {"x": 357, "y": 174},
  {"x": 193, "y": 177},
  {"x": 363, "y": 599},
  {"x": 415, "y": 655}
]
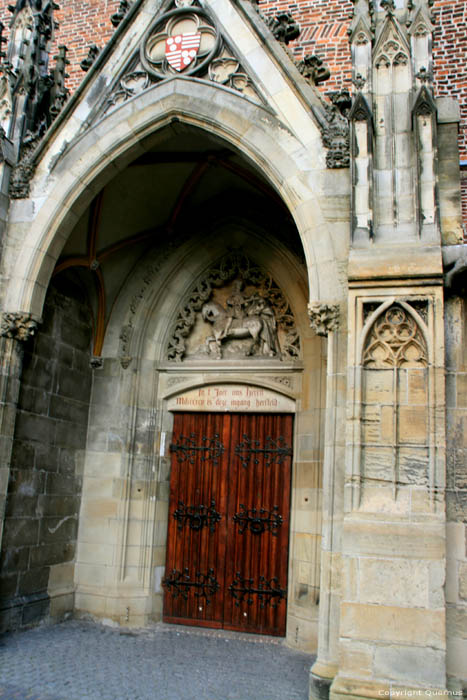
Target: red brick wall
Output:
[
  {"x": 450, "y": 58},
  {"x": 324, "y": 25}
]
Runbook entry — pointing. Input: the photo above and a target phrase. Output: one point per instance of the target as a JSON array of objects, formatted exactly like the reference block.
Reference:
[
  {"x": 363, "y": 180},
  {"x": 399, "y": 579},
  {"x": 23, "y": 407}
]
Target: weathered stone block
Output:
[
  {"x": 58, "y": 529},
  {"x": 61, "y": 576},
  {"x": 27, "y": 482},
  {"x": 413, "y": 465},
  {"x": 50, "y": 554},
  {"x": 63, "y": 484},
  {"x": 37, "y": 373},
  {"x": 463, "y": 580},
  {"x": 35, "y": 611},
  {"x": 67, "y": 461},
  {"x": 10, "y": 618},
  {"x": 9, "y": 586},
  {"x": 20, "y": 505},
  {"x": 456, "y": 505},
  {"x": 393, "y": 624},
  {"x": 378, "y": 386},
  {"x": 35, "y": 400},
  {"x": 415, "y": 665},
  {"x": 33, "y": 581},
  {"x": 66, "y": 409},
  {"x": 14, "y": 559},
  {"x": 20, "y": 532},
  {"x": 70, "y": 435},
  {"x": 73, "y": 384},
  {"x": 58, "y": 506},
  {"x": 34, "y": 427},
  {"x": 393, "y": 582},
  {"x": 46, "y": 457},
  {"x": 60, "y": 605},
  {"x": 413, "y": 424},
  {"x": 23, "y": 455}
]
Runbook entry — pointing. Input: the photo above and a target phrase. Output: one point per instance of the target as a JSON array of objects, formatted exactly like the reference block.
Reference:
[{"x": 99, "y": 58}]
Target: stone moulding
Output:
[
  {"x": 215, "y": 61},
  {"x": 235, "y": 265},
  {"x": 19, "y": 326},
  {"x": 395, "y": 340},
  {"x": 324, "y": 318}
]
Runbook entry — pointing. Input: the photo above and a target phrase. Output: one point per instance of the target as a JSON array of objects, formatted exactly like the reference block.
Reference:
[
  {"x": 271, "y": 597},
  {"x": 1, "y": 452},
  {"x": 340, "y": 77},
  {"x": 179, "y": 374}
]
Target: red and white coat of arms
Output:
[{"x": 181, "y": 50}]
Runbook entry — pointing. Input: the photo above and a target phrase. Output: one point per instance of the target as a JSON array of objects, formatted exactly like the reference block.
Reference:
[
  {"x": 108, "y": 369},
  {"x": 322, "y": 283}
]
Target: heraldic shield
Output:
[{"x": 180, "y": 50}]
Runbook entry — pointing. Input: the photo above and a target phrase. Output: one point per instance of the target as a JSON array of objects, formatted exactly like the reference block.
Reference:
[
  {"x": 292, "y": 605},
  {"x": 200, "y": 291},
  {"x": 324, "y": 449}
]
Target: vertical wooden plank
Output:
[{"x": 257, "y": 481}]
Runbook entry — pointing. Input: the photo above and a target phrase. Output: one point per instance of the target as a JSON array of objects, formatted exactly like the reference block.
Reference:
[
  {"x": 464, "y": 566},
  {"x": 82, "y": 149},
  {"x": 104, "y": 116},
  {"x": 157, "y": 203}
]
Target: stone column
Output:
[
  {"x": 392, "y": 619},
  {"x": 324, "y": 319},
  {"x": 15, "y": 329}
]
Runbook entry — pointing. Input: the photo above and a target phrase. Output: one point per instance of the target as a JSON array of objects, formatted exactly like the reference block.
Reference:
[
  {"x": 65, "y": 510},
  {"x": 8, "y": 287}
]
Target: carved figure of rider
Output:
[{"x": 236, "y": 304}]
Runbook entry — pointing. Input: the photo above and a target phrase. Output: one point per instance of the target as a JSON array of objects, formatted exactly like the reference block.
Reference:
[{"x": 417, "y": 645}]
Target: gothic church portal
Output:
[{"x": 257, "y": 439}]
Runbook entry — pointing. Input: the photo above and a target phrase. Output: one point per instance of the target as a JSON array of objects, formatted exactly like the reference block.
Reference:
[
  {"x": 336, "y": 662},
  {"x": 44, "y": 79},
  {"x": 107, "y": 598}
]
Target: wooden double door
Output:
[{"x": 228, "y": 534}]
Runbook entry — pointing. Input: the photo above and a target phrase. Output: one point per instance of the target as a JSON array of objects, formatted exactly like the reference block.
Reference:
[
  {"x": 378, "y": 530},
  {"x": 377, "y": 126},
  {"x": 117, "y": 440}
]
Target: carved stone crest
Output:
[
  {"x": 185, "y": 40},
  {"x": 235, "y": 311}
]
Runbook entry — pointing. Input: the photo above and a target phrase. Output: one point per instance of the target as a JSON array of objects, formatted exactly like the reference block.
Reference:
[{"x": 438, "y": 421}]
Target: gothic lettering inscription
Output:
[{"x": 232, "y": 397}]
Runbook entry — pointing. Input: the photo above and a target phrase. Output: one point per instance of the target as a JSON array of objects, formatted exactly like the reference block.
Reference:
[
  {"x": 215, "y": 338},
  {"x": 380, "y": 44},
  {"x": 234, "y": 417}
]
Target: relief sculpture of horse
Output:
[{"x": 225, "y": 327}]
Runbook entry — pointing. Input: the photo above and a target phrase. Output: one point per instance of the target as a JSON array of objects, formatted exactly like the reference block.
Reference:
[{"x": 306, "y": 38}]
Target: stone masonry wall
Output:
[
  {"x": 456, "y": 497},
  {"x": 36, "y": 566}
]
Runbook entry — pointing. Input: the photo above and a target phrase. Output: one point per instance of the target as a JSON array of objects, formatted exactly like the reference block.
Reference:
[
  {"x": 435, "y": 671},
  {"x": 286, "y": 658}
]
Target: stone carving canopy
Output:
[{"x": 235, "y": 311}]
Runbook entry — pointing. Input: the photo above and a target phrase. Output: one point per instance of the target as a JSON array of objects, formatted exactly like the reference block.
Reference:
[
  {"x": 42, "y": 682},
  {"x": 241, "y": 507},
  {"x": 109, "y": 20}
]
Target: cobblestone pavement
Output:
[{"x": 80, "y": 660}]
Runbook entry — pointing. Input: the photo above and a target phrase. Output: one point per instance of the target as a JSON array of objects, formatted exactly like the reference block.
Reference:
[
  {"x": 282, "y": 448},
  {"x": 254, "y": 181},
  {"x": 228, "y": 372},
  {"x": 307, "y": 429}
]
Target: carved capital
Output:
[
  {"x": 324, "y": 318},
  {"x": 18, "y": 326}
]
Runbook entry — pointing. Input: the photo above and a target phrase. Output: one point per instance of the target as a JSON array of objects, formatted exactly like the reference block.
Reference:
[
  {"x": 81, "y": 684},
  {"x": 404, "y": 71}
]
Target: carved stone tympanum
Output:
[{"x": 237, "y": 310}]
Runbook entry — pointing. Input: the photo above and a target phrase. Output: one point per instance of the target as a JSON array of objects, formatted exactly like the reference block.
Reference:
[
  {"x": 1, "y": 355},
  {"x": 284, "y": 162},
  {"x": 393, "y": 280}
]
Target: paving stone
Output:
[{"x": 81, "y": 660}]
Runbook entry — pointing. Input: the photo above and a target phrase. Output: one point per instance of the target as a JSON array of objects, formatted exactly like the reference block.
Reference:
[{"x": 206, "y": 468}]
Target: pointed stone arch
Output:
[{"x": 64, "y": 186}]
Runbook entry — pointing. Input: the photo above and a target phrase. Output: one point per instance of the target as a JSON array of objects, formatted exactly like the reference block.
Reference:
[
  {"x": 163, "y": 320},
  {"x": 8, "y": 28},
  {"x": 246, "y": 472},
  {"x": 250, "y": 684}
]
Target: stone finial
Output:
[
  {"x": 324, "y": 318},
  {"x": 284, "y": 28},
  {"x": 121, "y": 12},
  {"x": 18, "y": 326},
  {"x": 389, "y": 6},
  {"x": 314, "y": 70},
  {"x": 24, "y": 170},
  {"x": 359, "y": 82},
  {"x": 336, "y": 138},
  {"x": 342, "y": 100},
  {"x": 86, "y": 63}
]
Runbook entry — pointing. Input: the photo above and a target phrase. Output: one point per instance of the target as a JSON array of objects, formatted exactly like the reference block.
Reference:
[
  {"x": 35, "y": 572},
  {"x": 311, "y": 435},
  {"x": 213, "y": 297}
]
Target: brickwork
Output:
[
  {"x": 324, "y": 28},
  {"x": 450, "y": 58},
  {"x": 45, "y": 482}
]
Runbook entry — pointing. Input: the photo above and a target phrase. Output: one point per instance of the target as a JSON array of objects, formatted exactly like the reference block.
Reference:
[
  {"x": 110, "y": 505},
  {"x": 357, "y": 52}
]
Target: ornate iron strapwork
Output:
[
  {"x": 180, "y": 583},
  {"x": 187, "y": 447},
  {"x": 269, "y": 591},
  {"x": 274, "y": 451},
  {"x": 258, "y": 522},
  {"x": 197, "y": 517}
]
